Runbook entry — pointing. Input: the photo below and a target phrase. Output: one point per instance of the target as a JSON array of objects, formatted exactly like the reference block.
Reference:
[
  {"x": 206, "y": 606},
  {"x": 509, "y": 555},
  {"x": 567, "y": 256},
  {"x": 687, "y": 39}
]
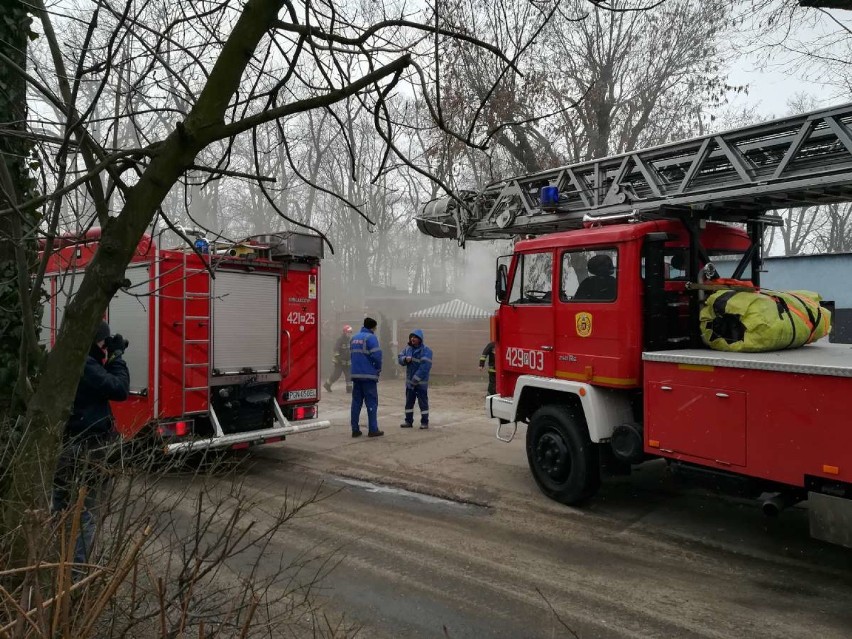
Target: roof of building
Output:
[{"x": 454, "y": 309}]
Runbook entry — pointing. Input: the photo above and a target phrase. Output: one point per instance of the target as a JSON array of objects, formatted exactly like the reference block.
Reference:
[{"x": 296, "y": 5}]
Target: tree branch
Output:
[{"x": 220, "y": 132}]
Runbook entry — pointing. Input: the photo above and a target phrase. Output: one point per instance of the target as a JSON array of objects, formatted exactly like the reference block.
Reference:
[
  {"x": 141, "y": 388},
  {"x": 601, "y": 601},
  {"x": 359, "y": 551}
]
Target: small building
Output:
[{"x": 456, "y": 331}]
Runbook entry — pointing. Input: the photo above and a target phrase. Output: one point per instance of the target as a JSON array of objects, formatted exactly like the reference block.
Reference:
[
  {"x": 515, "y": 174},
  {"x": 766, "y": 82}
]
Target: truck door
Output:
[
  {"x": 598, "y": 328},
  {"x": 526, "y": 321}
]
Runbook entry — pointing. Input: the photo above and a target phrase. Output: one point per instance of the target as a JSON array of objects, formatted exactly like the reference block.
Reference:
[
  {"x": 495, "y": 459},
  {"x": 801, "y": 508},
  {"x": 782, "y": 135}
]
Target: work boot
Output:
[
  {"x": 327, "y": 387},
  {"x": 424, "y": 426},
  {"x": 356, "y": 433},
  {"x": 375, "y": 433},
  {"x": 405, "y": 425},
  {"x": 349, "y": 389}
]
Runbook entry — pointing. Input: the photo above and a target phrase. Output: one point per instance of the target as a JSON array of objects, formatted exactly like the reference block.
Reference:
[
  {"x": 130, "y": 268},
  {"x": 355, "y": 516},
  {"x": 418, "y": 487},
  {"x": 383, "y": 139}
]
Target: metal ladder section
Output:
[
  {"x": 737, "y": 175},
  {"x": 195, "y": 339}
]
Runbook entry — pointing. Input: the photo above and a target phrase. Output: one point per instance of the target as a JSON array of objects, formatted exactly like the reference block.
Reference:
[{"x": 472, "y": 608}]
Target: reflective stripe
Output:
[
  {"x": 423, "y": 412},
  {"x": 409, "y": 410},
  {"x": 425, "y": 359},
  {"x": 372, "y": 350}
]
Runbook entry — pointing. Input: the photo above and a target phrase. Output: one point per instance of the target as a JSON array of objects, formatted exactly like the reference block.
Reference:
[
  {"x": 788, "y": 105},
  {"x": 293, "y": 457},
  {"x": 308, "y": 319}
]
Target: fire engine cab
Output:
[
  {"x": 599, "y": 349},
  {"x": 224, "y": 338}
]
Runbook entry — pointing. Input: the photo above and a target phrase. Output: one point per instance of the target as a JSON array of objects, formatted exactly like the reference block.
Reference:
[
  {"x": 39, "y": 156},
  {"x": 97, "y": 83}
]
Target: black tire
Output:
[{"x": 562, "y": 458}]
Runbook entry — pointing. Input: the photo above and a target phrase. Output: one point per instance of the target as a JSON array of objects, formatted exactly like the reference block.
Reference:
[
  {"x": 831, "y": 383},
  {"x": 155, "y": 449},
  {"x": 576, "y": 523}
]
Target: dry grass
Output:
[{"x": 184, "y": 549}]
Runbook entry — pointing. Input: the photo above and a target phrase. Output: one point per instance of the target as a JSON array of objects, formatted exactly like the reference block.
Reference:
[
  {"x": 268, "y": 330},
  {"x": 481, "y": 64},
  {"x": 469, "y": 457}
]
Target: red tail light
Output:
[
  {"x": 304, "y": 412},
  {"x": 175, "y": 429}
]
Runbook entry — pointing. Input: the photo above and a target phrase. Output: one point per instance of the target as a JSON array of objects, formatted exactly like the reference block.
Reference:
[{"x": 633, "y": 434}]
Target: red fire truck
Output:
[
  {"x": 607, "y": 377},
  {"x": 224, "y": 339}
]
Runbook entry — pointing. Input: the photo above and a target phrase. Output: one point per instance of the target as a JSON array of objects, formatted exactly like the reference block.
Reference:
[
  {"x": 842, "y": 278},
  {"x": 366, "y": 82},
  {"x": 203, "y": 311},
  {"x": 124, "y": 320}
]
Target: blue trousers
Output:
[
  {"x": 419, "y": 393},
  {"x": 365, "y": 392},
  {"x": 82, "y": 464}
]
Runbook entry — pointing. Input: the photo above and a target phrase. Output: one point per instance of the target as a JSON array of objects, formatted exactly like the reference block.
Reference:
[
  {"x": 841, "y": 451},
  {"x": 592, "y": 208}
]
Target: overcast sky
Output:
[{"x": 771, "y": 82}]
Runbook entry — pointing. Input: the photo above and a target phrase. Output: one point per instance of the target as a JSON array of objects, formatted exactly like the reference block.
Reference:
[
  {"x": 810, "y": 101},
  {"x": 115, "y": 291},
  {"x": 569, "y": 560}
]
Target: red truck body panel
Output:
[{"x": 783, "y": 422}]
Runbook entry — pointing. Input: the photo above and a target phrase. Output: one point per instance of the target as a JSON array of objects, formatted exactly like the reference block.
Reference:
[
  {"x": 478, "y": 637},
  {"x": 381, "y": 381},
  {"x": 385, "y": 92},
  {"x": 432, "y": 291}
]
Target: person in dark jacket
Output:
[
  {"x": 488, "y": 356},
  {"x": 417, "y": 359},
  {"x": 366, "y": 358},
  {"x": 341, "y": 360},
  {"x": 599, "y": 286},
  {"x": 89, "y": 434}
]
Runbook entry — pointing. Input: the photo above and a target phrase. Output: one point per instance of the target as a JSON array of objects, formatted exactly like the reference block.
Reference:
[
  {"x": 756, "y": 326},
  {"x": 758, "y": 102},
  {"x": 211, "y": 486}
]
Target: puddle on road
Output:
[{"x": 402, "y": 495}]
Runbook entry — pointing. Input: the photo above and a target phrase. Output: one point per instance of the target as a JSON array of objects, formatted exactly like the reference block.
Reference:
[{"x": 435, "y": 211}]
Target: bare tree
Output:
[
  {"x": 187, "y": 82},
  {"x": 808, "y": 40},
  {"x": 600, "y": 79}
]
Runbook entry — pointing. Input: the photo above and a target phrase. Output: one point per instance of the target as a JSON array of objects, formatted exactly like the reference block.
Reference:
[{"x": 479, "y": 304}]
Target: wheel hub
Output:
[{"x": 552, "y": 456}]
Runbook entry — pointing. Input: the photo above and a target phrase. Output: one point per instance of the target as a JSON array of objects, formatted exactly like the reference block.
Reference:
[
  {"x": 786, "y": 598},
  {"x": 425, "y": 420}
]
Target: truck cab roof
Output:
[{"x": 714, "y": 235}]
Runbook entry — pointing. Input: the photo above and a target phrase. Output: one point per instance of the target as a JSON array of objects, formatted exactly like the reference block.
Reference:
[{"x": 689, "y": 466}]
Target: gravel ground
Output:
[{"x": 443, "y": 533}]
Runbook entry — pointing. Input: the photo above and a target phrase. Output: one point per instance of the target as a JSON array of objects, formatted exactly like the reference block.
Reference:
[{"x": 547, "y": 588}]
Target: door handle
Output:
[{"x": 546, "y": 348}]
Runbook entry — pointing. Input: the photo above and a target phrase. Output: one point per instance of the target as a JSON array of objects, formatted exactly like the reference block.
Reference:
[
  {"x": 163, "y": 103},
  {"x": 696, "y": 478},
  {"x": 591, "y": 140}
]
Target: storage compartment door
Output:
[
  {"x": 246, "y": 322},
  {"x": 702, "y": 422}
]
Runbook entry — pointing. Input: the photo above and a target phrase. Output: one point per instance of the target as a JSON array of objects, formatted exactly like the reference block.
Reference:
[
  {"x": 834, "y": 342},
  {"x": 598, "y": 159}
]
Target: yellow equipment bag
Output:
[{"x": 758, "y": 321}]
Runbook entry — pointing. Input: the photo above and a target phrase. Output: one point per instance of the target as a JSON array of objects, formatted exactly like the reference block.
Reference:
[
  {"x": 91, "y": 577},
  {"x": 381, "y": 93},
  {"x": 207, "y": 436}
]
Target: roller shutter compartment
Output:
[{"x": 246, "y": 322}]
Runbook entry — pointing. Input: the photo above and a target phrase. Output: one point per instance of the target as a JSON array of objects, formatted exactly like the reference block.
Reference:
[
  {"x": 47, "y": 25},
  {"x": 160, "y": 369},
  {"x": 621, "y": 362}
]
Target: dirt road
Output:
[{"x": 443, "y": 533}]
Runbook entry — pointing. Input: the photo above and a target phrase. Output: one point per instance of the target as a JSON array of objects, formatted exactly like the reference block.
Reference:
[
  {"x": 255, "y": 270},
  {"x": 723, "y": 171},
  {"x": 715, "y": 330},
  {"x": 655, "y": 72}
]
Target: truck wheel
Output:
[{"x": 562, "y": 458}]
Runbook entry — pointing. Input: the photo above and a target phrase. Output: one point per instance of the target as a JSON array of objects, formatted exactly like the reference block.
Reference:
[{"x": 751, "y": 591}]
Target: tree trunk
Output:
[
  {"x": 18, "y": 339},
  {"x": 50, "y": 405}
]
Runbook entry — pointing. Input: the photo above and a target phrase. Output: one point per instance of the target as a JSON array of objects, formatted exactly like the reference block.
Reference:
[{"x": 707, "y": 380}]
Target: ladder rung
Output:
[
  {"x": 197, "y": 365},
  {"x": 198, "y": 317},
  {"x": 195, "y": 389},
  {"x": 197, "y": 341},
  {"x": 196, "y": 294},
  {"x": 195, "y": 270}
]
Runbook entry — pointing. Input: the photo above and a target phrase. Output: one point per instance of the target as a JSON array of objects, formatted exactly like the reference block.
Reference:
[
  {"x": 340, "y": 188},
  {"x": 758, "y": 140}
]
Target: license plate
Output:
[{"x": 310, "y": 393}]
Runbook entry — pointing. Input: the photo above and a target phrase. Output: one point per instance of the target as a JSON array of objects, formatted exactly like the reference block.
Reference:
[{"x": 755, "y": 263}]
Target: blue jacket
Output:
[
  {"x": 365, "y": 355},
  {"x": 416, "y": 371}
]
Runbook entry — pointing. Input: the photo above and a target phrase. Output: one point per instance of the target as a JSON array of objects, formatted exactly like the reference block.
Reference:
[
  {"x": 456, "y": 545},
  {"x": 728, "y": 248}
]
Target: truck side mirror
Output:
[{"x": 502, "y": 283}]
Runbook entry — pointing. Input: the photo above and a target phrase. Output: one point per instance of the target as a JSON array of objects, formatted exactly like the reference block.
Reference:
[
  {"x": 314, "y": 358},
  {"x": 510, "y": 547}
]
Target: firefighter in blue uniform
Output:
[
  {"x": 417, "y": 359},
  {"x": 366, "y": 366}
]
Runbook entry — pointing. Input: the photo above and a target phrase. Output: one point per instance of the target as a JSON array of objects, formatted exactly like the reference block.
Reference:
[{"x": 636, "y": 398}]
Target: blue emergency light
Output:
[{"x": 549, "y": 195}]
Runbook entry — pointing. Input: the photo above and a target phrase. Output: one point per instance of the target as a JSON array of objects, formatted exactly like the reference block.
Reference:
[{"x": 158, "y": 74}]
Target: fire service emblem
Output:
[{"x": 584, "y": 324}]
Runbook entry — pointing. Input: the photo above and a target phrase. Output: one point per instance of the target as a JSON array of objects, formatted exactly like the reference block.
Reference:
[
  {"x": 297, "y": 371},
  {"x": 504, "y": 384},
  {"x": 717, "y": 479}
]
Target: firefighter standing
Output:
[
  {"x": 488, "y": 356},
  {"x": 366, "y": 358},
  {"x": 341, "y": 360},
  {"x": 417, "y": 359},
  {"x": 89, "y": 435}
]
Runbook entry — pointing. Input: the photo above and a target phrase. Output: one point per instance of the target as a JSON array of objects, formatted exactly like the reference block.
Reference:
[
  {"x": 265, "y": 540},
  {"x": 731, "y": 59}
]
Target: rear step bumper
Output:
[
  {"x": 221, "y": 440},
  {"x": 258, "y": 436}
]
